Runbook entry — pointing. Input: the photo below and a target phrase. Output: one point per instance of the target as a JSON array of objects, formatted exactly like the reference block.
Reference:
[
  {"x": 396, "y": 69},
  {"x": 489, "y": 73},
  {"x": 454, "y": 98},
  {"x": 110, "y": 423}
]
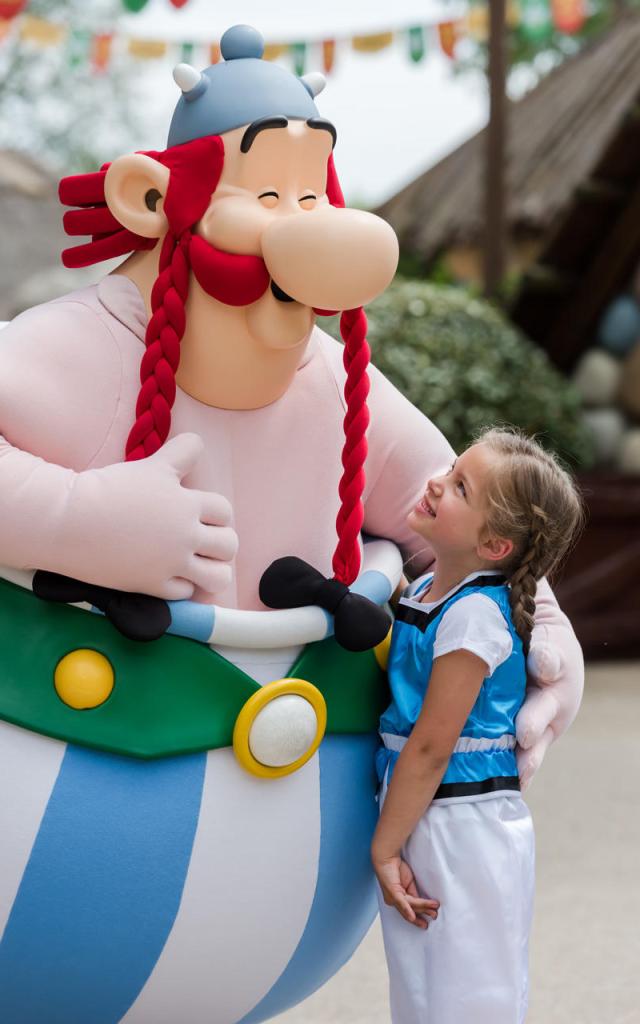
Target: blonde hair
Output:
[{"x": 534, "y": 502}]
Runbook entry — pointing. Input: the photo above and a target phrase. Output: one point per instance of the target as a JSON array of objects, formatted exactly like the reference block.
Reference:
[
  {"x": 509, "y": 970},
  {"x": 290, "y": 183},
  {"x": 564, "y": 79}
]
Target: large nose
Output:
[
  {"x": 331, "y": 258},
  {"x": 435, "y": 485}
]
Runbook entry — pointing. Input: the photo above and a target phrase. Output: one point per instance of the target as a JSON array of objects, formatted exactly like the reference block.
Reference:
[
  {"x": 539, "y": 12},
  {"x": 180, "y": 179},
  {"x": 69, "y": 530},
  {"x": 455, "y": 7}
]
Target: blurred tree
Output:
[
  {"x": 54, "y": 104},
  {"x": 461, "y": 362}
]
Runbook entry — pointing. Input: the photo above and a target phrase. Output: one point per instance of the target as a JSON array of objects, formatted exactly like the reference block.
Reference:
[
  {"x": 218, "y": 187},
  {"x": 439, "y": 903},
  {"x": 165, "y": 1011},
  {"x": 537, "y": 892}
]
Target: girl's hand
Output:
[{"x": 399, "y": 890}]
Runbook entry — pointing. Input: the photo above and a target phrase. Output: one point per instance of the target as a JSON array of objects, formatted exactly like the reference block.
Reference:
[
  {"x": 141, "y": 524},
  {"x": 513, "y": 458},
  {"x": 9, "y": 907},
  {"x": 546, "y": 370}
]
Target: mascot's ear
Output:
[{"x": 135, "y": 188}]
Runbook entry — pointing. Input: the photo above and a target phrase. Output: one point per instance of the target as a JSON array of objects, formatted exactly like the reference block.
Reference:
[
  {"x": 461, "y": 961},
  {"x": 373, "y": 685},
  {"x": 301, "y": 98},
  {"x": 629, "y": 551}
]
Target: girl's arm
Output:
[{"x": 454, "y": 686}]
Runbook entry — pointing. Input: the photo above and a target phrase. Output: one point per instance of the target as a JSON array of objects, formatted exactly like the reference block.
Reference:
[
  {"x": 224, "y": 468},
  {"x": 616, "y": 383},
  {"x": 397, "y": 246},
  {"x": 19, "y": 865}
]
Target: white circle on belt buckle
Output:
[{"x": 283, "y": 731}]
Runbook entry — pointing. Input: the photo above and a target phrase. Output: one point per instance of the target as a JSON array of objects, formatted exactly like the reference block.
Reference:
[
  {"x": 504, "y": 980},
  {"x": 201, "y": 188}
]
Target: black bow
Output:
[
  {"x": 136, "y": 616},
  {"x": 292, "y": 583}
]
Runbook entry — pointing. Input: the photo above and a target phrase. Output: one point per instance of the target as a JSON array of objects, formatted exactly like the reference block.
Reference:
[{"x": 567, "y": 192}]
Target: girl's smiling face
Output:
[{"x": 451, "y": 515}]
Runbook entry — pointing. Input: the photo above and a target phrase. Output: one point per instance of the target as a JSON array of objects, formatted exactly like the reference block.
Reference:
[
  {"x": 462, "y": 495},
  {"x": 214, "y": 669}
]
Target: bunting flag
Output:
[
  {"x": 11, "y": 8},
  {"x": 372, "y": 44},
  {"x": 416, "y": 44},
  {"x": 535, "y": 20},
  {"x": 42, "y": 33},
  {"x": 448, "y": 33},
  {"x": 186, "y": 53},
  {"x": 477, "y": 21},
  {"x": 147, "y": 49},
  {"x": 274, "y": 50},
  {"x": 299, "y": 52},
  {"x": 328, "y": 54},
  {"x": 78, "y": 46},
  {"x": 513, "y": 13},
  {"x": 101, "y": 52},
  {"x": 568, "y": 15}
]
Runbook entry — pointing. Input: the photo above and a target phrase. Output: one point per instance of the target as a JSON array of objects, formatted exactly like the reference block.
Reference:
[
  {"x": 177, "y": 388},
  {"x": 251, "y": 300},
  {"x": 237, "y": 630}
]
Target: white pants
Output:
[{"x": 471, "y": 965}]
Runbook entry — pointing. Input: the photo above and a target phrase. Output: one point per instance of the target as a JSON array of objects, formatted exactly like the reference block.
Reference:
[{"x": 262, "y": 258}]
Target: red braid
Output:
[
  {"x": 353, "y": 328},
  {"x": 346, "y": 558},
  {"x": 162, "y": 357}
]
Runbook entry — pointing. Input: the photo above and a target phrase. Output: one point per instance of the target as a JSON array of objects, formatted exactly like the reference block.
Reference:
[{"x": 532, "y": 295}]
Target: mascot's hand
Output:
[
  {"x": 556, "y": 681},
  {"x": 136, "y": 526}
]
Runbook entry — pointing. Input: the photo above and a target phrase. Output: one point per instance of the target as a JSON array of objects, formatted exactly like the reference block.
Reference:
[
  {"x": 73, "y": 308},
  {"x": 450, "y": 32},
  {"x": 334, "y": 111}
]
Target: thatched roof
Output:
[
  {"x": 556, "y": 134},
  {"x": 591, "y": 253}
]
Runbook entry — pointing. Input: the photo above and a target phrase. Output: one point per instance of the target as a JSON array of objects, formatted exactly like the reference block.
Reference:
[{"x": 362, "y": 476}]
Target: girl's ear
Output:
[
  {"x": 494, "y": 549},
  {"x": 135, "y": 188}
]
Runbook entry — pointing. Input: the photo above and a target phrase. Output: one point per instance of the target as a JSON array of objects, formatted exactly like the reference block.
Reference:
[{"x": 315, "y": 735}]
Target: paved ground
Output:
[{"x": 585, "y": 961}]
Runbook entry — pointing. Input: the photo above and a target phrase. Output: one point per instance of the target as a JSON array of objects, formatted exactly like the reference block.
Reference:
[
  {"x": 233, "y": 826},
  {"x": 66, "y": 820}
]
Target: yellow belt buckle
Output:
[{"x": 266, "y": 721}]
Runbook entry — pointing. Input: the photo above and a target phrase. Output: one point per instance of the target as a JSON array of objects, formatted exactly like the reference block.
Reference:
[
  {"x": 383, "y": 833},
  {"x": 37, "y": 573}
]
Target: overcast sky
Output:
[{"x": 394, "y": 118}]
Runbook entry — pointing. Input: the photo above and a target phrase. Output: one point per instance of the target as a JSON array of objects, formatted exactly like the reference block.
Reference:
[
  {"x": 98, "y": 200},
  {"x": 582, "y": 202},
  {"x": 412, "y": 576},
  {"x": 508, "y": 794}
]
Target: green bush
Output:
[{"x": 461, "y": 362}]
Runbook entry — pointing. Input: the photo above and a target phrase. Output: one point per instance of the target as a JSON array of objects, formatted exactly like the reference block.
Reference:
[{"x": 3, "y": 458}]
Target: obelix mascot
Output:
[{"x": 190, "y": 652}]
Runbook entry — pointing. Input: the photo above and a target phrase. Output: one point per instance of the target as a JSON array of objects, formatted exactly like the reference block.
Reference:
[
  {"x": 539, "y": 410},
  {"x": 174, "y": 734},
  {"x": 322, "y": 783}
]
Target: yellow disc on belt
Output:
[
  {"x": 83, "y": 679},
  {"x": 382, "y": 652},
  {"x": 257, "y": 703}
]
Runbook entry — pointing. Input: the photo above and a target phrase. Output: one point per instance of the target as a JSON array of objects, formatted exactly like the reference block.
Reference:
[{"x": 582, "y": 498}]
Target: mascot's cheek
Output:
[
  {"x": 279, "y": 325},
  {"x": 235, "y": 224}
]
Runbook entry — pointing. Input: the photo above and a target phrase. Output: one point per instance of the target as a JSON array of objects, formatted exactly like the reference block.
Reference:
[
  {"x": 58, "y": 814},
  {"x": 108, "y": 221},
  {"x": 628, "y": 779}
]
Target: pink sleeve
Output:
[
  {"x": 405, "y": 449},
  {"x": 59, "y": 384},
  {"x": 60, "y": 380}
]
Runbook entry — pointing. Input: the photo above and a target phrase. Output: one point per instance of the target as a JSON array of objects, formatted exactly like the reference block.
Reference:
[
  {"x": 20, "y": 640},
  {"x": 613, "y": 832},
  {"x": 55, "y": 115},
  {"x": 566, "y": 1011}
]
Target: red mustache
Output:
[{"x": 231, "y": 278}]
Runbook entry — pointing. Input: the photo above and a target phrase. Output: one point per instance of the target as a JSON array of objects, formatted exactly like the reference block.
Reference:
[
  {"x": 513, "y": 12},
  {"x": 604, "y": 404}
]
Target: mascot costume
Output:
[{"x": 190, "y": 659}]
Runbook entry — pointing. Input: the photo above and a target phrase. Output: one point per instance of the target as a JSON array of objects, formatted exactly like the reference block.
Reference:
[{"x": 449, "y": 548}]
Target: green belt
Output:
[{"x": 171, "y": 696}]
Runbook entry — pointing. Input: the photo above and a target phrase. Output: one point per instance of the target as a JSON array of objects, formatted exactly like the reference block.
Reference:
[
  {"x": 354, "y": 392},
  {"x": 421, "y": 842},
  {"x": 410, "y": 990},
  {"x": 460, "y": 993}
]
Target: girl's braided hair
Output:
[{"x": 533, "y": 501}]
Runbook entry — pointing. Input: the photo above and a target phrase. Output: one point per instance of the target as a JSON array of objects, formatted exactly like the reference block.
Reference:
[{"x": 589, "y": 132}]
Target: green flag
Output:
[
  {"x": 535, "y": 20},
  {"x": 416, "y": 43},
  {"x": 299, "y": 52},
  {"x": 134, "y": 5}
]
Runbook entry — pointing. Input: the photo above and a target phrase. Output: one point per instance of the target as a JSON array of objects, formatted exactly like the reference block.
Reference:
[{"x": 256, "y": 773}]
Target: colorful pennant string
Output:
[{"x": 535, "y": 20}]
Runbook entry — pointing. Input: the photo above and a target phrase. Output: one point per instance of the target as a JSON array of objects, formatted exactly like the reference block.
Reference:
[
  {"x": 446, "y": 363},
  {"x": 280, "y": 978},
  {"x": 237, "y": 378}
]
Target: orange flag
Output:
[
  {"x": 328, "y": 54},
  {"x": 448, "y": 32},
  {"x": 101, "y": 51},
  {"x": 568, "y": 15}
]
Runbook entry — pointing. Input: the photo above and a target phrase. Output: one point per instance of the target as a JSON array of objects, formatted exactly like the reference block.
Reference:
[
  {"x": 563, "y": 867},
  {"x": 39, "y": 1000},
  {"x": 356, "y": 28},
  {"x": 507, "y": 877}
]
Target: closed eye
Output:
[
  {"x": 263, "y": 195},
  {"x": 310, "y": 196}
]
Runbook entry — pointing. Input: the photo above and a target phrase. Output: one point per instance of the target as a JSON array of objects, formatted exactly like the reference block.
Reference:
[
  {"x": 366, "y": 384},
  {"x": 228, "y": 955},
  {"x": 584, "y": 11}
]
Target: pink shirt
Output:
[{"x": 69, "y": 378}]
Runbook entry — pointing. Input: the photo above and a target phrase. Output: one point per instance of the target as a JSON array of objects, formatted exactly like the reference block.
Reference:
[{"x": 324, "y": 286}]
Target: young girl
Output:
[{"x": 500, "y": 519}]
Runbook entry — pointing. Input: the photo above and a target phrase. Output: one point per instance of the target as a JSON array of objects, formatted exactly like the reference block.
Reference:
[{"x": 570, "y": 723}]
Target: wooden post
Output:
[{"x": 495, "y": 184}]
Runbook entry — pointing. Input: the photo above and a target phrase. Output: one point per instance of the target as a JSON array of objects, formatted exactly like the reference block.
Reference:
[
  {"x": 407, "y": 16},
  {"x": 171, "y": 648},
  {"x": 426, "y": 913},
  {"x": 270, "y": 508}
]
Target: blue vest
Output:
[{"x": 483, "y": 762}]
